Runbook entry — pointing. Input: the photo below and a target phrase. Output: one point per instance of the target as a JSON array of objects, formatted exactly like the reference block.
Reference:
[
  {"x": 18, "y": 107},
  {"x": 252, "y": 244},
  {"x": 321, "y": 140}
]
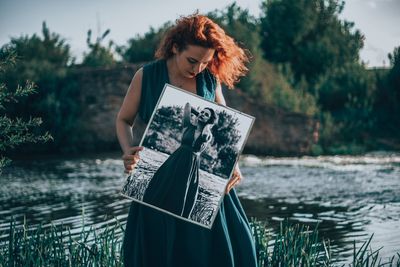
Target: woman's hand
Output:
[
  {"x": 131, "y": 158},
  {"x": 235, "y": 179}
]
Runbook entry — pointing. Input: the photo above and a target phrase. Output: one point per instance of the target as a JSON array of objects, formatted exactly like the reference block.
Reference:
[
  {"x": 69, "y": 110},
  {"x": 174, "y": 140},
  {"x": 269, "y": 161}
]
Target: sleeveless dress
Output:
[
  {"x": 157, "y": 239},
  {"x": 174, "y": 186}
]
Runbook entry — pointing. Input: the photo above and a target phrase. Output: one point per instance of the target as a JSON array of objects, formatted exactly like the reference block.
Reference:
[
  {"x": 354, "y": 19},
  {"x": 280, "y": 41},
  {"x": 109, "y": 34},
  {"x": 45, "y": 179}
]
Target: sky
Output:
[{"x": 378, "y": 20}]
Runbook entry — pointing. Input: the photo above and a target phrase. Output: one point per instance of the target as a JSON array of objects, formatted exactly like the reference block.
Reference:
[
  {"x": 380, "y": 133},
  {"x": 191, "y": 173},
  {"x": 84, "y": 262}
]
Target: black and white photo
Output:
[{"x": 190, "y": 148}]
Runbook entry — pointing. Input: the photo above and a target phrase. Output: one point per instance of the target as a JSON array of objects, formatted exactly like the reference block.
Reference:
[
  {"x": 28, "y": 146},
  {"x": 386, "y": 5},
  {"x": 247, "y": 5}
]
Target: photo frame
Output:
[{"x": 190, "y": 148}]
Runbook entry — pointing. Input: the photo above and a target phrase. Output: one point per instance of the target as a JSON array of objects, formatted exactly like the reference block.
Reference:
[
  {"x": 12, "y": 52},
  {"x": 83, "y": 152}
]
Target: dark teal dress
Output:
[{"x": 156, "y": 239}]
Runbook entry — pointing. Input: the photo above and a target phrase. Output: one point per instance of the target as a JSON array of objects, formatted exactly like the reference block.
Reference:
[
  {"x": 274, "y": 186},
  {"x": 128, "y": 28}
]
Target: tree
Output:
[
  {"x": 15, "y": 131},
  {"x": 142, "y": 47},
  {"x": 99, "y": 55},
  {"x": 309, "y": 36},
  {"x": 387, "y": 104},
  {"x": 263, "y": 81},
  {"x": 394, "y": 82},
  {"x": 244, "y": 28},
  {"x": 348, "y": 93},
  {"x": 45, "y": 60}
]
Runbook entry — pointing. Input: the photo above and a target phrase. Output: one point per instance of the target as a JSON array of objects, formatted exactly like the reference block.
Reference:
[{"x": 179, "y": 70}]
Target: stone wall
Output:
[{"x": 275, "y": 132}]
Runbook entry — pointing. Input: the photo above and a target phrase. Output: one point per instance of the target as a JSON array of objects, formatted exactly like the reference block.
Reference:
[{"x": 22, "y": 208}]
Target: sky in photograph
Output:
[{"x": 378, "y": 20}]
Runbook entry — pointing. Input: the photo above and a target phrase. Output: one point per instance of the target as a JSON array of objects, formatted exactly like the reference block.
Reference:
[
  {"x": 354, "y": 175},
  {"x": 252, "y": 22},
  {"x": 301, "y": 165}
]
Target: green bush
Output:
[
  {"x": 15, "y": 131},
  {"x": 99, "y": 55},
  {"x": 45, "y": 61}
]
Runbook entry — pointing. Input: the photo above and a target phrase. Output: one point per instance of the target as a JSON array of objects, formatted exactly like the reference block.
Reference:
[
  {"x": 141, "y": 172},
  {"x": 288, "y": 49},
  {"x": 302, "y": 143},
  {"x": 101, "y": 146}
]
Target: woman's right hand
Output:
[{"x": 131, "y": 158}]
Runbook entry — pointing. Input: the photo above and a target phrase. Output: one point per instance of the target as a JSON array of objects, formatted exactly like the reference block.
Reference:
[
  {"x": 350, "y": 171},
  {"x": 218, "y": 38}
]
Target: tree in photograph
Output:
[
  {"x": 226, "y": 137},
  {"x": 165, "y": 130}
]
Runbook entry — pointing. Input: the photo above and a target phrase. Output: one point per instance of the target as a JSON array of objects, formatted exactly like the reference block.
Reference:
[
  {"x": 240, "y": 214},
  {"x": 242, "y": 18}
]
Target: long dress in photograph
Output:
[{"x": 175, "y": 185}]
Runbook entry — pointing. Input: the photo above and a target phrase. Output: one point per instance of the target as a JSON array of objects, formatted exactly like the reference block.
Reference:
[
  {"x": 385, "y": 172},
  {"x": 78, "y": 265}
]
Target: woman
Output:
[
  {"x": 198, "y": 56},
  {"x": 174, "y": 186}
]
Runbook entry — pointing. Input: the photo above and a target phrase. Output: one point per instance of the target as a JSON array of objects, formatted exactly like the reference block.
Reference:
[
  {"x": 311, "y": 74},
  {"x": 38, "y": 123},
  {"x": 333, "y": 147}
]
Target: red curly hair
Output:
[{"x": 228, "y": 63}]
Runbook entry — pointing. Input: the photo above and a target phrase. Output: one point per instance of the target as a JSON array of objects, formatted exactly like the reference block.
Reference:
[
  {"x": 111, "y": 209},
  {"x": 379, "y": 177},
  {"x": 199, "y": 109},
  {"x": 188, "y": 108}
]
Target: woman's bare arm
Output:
[
  {"x": 219, "y": 97},
  {"x": 125, "y": 119}
]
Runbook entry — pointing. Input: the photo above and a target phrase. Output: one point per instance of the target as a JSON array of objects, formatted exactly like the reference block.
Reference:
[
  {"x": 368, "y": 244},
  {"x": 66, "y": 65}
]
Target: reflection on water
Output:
[{"x": 349, "y": 197}]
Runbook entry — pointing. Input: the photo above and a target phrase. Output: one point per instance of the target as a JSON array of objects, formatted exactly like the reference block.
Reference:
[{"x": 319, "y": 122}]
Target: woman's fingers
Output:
[
  {"x": 131, "y": 158},
  {"x": 135, "y": 149},
  {"x": 236, "y": 178}
]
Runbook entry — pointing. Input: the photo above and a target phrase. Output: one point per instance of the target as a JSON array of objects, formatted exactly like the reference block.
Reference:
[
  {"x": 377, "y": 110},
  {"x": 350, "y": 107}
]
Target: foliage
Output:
[
  {"x": 141, "y": 48},
  {"x": 226, "y": 136},
  {"x": 387, "y": 102},
  {"x": 45, "y": 61},
  {"x": 293, "y": 246},
  {"x": 244, "y": 28},
  {"x": 99, "y": 56},
  {"x": 304, "y": 59},
  {"x": 264, "y": 81},
  {"x": 348, "y": 93},
  {"x": 51, "y": 48},
  {"x": 297, "y": 245},
  {"x": 394, "y": 75},
  {"x": 309, "y": 36},
  {"x": 58, "y": 246},
  {"x": 165, "y": 130},
  {"x": 15, "y": 131},
  {"x": 319, "y": 53}
]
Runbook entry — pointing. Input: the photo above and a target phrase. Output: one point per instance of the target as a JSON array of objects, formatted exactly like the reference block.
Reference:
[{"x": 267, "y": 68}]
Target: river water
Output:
[{"x": 349, "y": 197}]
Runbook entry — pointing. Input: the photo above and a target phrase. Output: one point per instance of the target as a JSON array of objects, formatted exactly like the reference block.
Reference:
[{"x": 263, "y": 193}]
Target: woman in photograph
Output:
[
  {"x": 174, "y": 187},
  {"x": 195, "y": 55}
]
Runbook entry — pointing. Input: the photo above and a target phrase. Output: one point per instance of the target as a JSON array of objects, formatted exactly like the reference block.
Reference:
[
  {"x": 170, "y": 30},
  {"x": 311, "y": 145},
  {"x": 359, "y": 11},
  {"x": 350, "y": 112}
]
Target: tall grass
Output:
[
  {"x": 297, "y": 245},
  {"x": 292, "y": 245},
  {"x": 59, "y": 246}
]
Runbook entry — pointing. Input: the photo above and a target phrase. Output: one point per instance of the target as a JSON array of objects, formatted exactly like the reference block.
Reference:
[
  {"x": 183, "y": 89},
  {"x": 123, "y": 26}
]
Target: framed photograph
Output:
[{"x": 191, "y": 146}]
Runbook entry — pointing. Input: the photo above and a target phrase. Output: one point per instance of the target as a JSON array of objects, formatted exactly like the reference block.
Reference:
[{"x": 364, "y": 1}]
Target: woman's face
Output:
[
  {"x": 192, "y": 60},
  {"x": 204, "y": 116}
]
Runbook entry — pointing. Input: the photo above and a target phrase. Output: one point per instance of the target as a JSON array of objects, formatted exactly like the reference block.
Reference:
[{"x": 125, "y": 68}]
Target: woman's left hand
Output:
[{"x": 235, "y": 179}]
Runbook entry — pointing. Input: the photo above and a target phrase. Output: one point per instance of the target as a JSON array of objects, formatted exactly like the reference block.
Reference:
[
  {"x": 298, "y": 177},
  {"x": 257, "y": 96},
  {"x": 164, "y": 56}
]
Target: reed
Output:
[
  {"x": 297, "y": 245},
  {"x": 292, "y": 245},
  {"x": 59, "y": 246}
]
